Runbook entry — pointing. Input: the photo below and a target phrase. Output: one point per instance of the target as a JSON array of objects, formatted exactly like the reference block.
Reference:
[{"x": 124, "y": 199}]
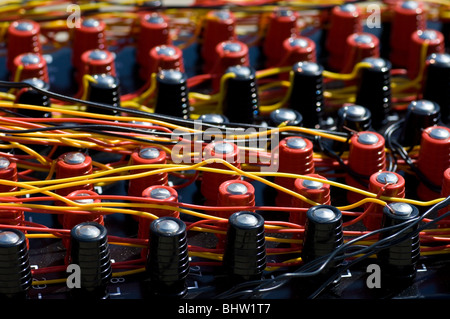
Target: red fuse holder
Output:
[
  {"x": 211, "y": 181},
  {"x": 235, "y": 193},
  {"x": 282, "y": 25},
  {"x": 295, "y": 156},
  {"x": 433, "y": 159},
  {"x": 408, "y": 17},
  {"x": 316, "y": 191},
  {"x": 219, "y": 27},
  {"x": 97, "y": 62},
  {"x": 8, "y": 172},
  {"x": 165, "y": 57},
  {"x": 366, "y": 157},
  {"x": 154, "y": 32},
  {"x": 89, "y": 36},
  {"x": 23, "y": 37},
  {"x": 73, "y": 164},
  {"x": 344, "y": 21},
  {"x": 70, "y": 220},
  {"x": 435, "y": 41},
  {"x": 29, "y": 66},
  {"x": 358, "y": 47},
  {"x": 445, "y": 192},
  {"x": 160, "y": 195},
  {"x": 394, "y": 186},
  {"x": 146, "y": 156},
  {"x": 229, "y": 53},
  {"x": 11, "y": 216},
  {"x": 298, "y": 49}
]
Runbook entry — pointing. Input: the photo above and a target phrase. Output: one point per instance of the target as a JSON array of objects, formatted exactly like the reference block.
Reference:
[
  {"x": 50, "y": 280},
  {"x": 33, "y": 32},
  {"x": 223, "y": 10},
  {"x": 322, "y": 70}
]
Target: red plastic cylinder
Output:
[
  {"x": 344, "y": 20},
  {"x": 366, "y": 157},
  {"x": 33, "y": 66},
  {"x": 160, "y": 195},
  {"x": 219, "y": 27},
  {"x": 211, "y": 181},
  {"x": 154, "y": 31},
  {"x": 435, "y": 41},
  {"x": 8, "y": 172},
  {"x": 408, "y": 17},
  {"x": 235, "y": 193},
  {"x": 165, "y": 57},
  {"x": 358, "y": 47},
  {"x": 433, "y": 159},
  {"x": 313, "y": 190},
  {"x": 147, "y": 156},
  {"x": 298, "y": 49},
  {"x": 394, "y": 186},
  {"x": 282, "y": 25},
  {"x": 229, "y": 53},
  {"x": 23, "y": 37},
  {"x": 73, "y": 164},
  {"x": 445, "y": 192},
  {"x": 295, "y": 156},
  {"x": 70, "y": 220},
  {"x": 97, "y": 62},
  {"x": 89, "y": 36},
  {"x": 11, "y": 217}
]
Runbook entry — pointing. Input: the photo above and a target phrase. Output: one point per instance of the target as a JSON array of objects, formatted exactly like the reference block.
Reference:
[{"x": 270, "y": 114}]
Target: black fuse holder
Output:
[
  {"x": 33, "y": 97},
  {"x": 323, "y": 232},
  {"x": 167, "y": 260},
  {"x": 307, "y": 92},
  {"x": 374, "y": 90},
  {"x": 355, "y": 117},
  {"x": 105, "y": 90},
  {"x": 244, "y": 258},
  {"x": 399, "y": 262},
  {"x": 437, "y": 82},
  {"x": 291, "y": 117},
  {"x": 15, "y": 271},
  {"x": 241, "y": 101},
  {"x": 89, "y": 250},
  {"x": 419, "y": 115},
  {"x": 172, "y": 94}
]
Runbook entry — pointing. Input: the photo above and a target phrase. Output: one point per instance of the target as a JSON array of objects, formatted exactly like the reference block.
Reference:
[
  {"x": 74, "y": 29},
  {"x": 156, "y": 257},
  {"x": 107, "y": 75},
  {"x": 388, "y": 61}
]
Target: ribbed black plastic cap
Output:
[
  {"x": 323, "y": 231},
  {"x": 167, "y": 260},
  {"x": 106, "y": 90},
  {"x": 245, "y": 249},
  {"x": 15, "y": 271},
  {"x": 172, "y": 94},
  {"x": 420, "y": 115},
  {"x": 399, "y": 261},
  {"x": 354, "y": 117},
  {"x": 292, "y": 117},
  {"x": 90, "y": 251}
]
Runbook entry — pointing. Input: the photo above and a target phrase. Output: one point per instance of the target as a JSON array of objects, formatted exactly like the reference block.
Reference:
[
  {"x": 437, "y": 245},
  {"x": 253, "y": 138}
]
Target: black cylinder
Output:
[
  {"x": 245, "y": 248},
  {"x": 437, "y": 83},
  {"x": 241, "y": 101},
  {"x": 399, "y": 261},
  {"x": 355, "y": 117},
  {"x": 420, "y": 115},
  {"x": 374, "y": 90},
  {"x": 167, "y": 261},
  {"x": 89, "y": 249},
  {"x": 172, "y": 96},
  {"x": 291, "y": 117},
  {"x": 213, "y": 118},
  {"x": 307, "y": 92},
  {"x": 33, "y": 97},
  {"x": 15, "y": 271},
  {"x": 105, "y": 90},
  {"x": 323, "y": 232}
]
